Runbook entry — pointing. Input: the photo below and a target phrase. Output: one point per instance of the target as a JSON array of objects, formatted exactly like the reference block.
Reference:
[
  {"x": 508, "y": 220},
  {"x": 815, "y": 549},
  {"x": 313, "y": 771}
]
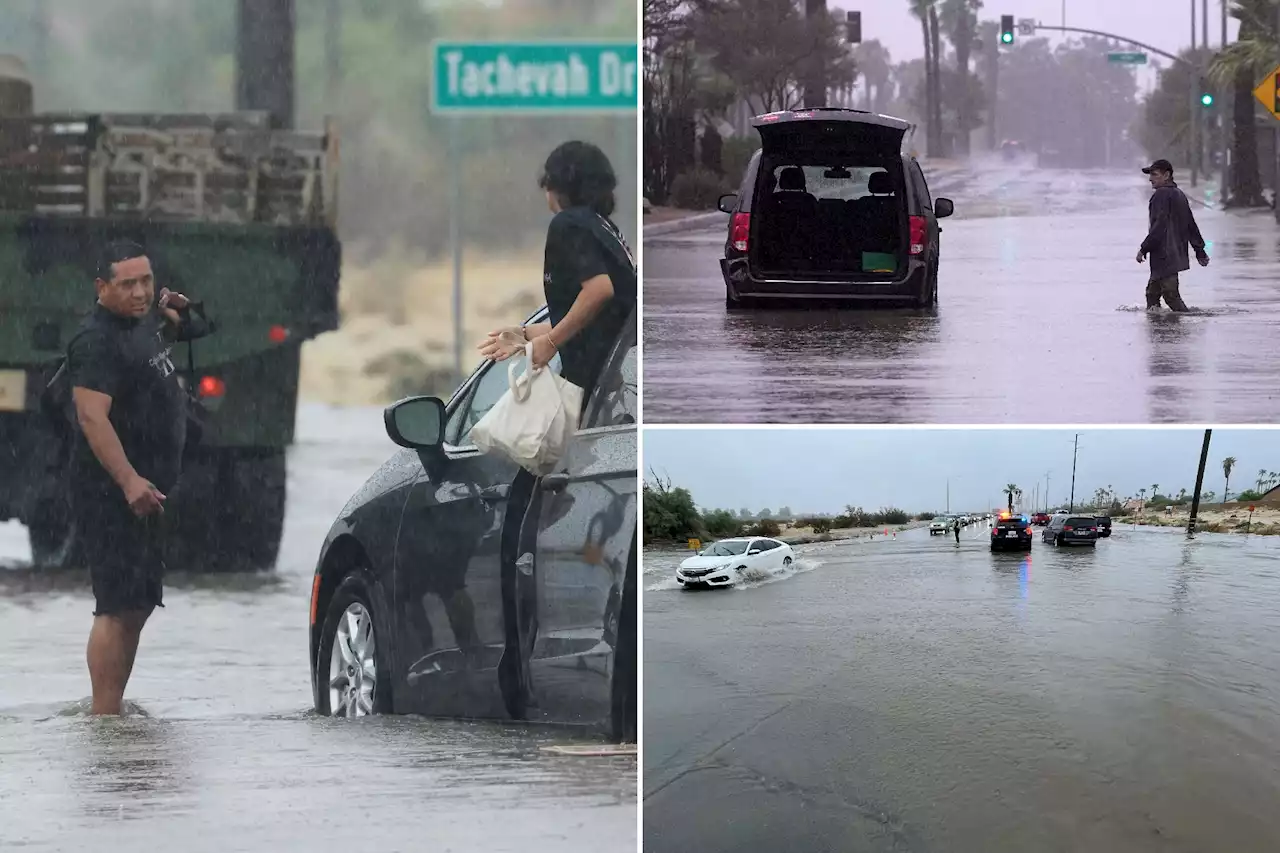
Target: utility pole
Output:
[
  {"x": 815, "y": 84},
  {"x": 948, "y": 494},
  {"x": 1224, "y": 116},
  {"x": 1074, "y": 453},
  {"x": 1193, "y": 123},
  {"x": 264, "y": 58},
  {"x": 1195, "y": 500},
  {"x": 1046, "y": 490}
]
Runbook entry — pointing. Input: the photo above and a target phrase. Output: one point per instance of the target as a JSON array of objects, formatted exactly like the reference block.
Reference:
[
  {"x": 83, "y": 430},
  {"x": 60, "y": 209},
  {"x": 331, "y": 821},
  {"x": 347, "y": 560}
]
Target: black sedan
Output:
[
  {"x": 437, "y": 593},
  {"x": 1011, "y": 534}
]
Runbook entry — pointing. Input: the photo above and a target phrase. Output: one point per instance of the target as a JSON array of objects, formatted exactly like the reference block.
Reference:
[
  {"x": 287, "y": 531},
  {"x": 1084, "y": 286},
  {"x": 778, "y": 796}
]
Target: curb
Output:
[{"x": 685, "y": 223}]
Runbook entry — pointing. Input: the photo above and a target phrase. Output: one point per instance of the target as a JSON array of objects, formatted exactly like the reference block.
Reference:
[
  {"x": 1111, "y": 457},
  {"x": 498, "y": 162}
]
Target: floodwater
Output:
[
  {"x": 1040, "y": 320},
  {"x": 910, "y": 694},
  {"x": 225, "y": 752}
]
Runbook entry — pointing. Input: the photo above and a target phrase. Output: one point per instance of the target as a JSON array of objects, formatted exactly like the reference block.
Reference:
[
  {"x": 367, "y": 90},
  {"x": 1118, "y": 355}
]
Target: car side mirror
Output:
[
  {"x": 416, "y": 422},
  {"x": 753, "y": 551},
  {"x": 943, "y": 207},
  {"x": 727, "y": 203}
]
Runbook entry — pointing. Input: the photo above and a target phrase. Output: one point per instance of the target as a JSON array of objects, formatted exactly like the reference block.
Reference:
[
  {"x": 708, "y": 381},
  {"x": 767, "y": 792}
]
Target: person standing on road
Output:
[
  {"x": 131, "y": 414},
  {"x": 1172, "y": 227},
  {"x": 956, "y": 525}
]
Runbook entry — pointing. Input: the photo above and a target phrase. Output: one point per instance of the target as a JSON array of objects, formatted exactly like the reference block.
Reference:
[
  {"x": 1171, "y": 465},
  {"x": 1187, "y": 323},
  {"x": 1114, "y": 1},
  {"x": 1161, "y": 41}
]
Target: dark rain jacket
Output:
[{"x": 1173, "y": 228}]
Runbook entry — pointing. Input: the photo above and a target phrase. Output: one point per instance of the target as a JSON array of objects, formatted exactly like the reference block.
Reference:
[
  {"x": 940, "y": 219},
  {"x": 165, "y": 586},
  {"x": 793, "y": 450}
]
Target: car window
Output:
[
  {"x": 614, "y": 399},
  {"x": 725, "y": 549},
  {"x": 843, "y": 181},
  {"x": 920, "y": 185},
  {"x": 484, "y": 394}
]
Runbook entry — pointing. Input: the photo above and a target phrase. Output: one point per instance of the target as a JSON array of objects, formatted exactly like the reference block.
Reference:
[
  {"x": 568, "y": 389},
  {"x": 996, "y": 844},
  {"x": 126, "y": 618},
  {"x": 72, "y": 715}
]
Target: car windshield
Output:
[
  {"x": 724, "y": 549},
  {"x": 940, "y": 519}
]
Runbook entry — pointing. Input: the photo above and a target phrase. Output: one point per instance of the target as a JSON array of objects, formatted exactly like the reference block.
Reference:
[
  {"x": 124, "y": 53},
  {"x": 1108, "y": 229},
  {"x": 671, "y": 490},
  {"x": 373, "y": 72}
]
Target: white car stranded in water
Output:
[{"x": 728, "y": 561}]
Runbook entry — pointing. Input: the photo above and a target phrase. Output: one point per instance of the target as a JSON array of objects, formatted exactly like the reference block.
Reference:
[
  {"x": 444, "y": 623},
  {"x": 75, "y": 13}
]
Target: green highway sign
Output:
[
  {"x": 1128, "y": 58},
  {"x": 538, "y": 77}
]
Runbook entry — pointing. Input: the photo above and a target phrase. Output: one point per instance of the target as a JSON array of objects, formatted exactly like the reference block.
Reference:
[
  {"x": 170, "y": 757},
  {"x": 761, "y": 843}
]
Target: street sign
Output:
[
  {"x": 695, "y": 544},
  {"x": 544, "y": 77},
  {"x": 1128, "y": 58},
  {"x": 1026, "y": 26},
  {"x": 1268, "y": 92}
]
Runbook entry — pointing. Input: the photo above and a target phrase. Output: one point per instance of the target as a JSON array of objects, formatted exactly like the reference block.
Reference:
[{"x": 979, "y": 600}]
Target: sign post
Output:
[{"x": 522, "y": 78}]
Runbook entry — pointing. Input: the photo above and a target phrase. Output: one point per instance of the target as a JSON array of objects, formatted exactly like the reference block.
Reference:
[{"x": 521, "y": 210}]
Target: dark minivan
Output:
[
  {"x": 830, "y": 208},
  {"x": 1104, "y": 525},
  {"x": 1072, "y": 530}
]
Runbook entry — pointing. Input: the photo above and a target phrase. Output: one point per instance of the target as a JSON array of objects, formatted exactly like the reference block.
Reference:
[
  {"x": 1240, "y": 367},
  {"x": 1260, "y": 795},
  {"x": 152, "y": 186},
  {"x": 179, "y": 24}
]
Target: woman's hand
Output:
[
  {"x": 503, "y": 343},
  {"x": 544, "y": 349}
]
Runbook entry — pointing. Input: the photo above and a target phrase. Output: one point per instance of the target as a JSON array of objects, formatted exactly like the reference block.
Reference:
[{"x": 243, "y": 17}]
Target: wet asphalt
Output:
[
  {"x": 223, "y": 752},
  {"x": 1040, "y": 320},
  {"x": 910, "y": 694}
]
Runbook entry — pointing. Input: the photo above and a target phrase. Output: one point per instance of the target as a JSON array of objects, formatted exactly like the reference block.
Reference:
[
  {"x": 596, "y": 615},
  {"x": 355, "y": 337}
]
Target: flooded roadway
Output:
[
  {"x": 916, "y": 695},
  {"x": 230, "y": 756},
  {"x": 1040, "y": 320}
]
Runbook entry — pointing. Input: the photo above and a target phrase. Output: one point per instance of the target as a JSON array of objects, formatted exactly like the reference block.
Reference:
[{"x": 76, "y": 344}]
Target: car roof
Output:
[{"x": 830, "y": 114}]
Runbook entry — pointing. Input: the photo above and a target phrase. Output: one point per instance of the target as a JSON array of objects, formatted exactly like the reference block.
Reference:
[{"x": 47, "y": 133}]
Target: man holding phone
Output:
[{"x": 131, "y": 414}]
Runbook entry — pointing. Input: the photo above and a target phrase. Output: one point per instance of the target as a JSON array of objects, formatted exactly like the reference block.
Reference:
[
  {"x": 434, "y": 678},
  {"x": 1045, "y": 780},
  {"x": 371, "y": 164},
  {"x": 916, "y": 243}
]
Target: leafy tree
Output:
[
  {"x": 669, "y": 513},
  {"x": 1248, "y": 495},
  {"x": 765, "y": 513},
  {"x": 720, "y": 523},
  {"x": 765, "y": 527},
  {"x": 785, "y": 514},
  {"x": 959, "y": 20}
]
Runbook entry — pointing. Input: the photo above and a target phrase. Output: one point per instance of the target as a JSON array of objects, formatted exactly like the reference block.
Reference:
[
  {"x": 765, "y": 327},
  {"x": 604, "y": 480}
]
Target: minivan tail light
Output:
[
  {"x": 1067, "y": 527},
  {"x": 917, "y": 234},
  {"x": 739, "y": 231}
]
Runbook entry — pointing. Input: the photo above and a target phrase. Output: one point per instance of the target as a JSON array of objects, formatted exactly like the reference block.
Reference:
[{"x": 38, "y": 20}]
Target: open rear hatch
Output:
[{"x": 830, "y": 197}]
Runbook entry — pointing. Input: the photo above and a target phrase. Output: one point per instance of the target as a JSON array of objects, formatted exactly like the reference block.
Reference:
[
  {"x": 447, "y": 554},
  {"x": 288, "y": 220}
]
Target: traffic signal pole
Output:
[{"x": 815, "y": 85}]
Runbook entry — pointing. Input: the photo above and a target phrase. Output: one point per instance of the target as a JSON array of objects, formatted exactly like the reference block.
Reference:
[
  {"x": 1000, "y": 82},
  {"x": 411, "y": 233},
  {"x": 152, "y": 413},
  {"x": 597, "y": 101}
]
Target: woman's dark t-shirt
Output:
[
  {"x": 581, "y": 245},
  {"x": 130, "y": 361}
]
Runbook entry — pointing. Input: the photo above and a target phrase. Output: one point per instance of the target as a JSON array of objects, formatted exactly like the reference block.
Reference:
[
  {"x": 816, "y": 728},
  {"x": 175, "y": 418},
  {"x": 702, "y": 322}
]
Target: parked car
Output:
[
  {"x": 726, "y": 562},
  {"x": 430, "y": 597},
  {"x": 1040, "y": 519},
  {"x": 1011, "y": 534},
  {"x": 1071, "y": 530},
  {"x": 940, "y": 524},
  {"x": 1104, "y": 526},
  {"x": 830, "y": 208}
]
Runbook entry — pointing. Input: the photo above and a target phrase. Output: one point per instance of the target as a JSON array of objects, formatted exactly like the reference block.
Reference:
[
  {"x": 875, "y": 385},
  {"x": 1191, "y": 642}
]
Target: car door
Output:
[
  {"x": 448, "y": 569},
  {"x": 585, "y": 532}
]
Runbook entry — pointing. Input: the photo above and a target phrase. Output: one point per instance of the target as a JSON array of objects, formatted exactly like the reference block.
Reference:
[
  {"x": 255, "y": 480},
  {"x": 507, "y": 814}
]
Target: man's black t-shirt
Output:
[
  {"x": 581, "y": 245},
  {"x": 130, "y": 361}
]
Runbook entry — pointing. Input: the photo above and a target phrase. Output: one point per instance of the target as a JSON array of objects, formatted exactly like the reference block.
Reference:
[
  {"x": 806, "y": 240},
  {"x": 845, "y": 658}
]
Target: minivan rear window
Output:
[
  {"x": 842, "y": 182},
  {"x": 1078, "y": 521}
]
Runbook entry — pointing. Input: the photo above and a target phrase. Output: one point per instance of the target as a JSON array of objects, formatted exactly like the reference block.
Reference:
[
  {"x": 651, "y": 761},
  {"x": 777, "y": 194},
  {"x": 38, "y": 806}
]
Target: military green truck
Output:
[{"x": 232, "y": 212}]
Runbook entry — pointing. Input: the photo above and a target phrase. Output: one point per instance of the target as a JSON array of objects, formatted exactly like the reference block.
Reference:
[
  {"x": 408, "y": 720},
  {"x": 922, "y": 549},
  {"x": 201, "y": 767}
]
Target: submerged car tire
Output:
[
  {"x": 357, "y": 683},
  {"x": 625, "y": 686},
  {"x": 786, "y": 562}
]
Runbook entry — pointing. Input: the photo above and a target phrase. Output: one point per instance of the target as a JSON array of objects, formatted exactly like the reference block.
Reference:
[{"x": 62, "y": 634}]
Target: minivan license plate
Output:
[{"x": 1012, "y": 534}]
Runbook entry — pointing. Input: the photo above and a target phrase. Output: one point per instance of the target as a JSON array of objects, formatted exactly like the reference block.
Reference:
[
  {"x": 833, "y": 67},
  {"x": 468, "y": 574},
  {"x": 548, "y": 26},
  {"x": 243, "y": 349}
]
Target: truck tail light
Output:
[
  {"x": 918, "y": 229},
  {"x": 739, "y": 231},
  {"x": 278, "y": 334}
]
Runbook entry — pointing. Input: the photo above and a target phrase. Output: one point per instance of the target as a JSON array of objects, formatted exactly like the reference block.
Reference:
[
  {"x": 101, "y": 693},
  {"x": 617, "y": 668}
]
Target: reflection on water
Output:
[{"x": 127, "y": 766}]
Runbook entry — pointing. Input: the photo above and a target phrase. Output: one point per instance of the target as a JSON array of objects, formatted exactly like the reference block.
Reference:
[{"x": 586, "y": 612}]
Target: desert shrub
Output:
[
  {"x": 764, "y": 527},
  {"x": 698, "y": 189},
  {"x": 721, "y": 523},
  {"x": 669, "y": 514},
  {"x": 892, "y": 515}
]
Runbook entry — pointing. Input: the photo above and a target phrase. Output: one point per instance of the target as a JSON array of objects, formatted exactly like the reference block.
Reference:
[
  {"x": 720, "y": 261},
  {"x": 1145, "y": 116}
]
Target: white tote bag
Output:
[{"x": 531, "y": 423}]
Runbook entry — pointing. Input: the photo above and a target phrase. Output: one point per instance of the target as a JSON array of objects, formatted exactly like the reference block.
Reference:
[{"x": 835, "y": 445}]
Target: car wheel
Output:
[
  {"x": 351, "y": 662},
  {"x": 786, "y": 562}
]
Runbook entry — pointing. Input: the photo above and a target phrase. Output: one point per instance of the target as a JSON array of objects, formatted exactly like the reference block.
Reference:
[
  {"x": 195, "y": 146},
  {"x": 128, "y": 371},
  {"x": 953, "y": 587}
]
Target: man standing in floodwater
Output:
[
  {"x": 131, "y": 414},
  {"x": 1172, "y": 229},
  {"x": 956, "y": 524}
]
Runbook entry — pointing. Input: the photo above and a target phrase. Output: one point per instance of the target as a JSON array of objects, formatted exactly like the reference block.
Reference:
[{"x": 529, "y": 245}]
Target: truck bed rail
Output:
[{"x": 230, "y": 168}]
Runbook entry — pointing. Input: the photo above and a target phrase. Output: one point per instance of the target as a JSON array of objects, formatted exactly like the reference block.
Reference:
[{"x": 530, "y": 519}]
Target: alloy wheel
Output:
[{"x": 353, "y": 664}]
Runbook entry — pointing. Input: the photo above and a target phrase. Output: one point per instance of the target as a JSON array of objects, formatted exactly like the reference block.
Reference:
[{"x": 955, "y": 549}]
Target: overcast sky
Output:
[
  {"x": 1165, "y": 24},
  {"x": 823, "y": 470}
]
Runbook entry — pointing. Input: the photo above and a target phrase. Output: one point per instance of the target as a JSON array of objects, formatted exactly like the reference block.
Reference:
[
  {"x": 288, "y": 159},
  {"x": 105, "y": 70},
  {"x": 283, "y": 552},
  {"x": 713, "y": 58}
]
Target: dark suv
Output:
[
  {"x": 1072, "y": 530},
  {"x": 830, "y": 208},
  {"x": 1104, "y": 525},
  {"x": 1011, "y": 534}
]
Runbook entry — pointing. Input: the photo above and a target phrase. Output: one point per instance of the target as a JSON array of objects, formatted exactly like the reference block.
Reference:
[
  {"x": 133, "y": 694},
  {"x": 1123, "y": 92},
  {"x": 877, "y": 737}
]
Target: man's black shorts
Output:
[{"x": 123, "y": 552}]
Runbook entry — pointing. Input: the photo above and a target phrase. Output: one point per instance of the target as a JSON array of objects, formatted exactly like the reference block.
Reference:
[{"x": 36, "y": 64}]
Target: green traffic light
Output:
[
  {"x": 1206, "y": 99},
  {"x": 1007, "y": 38}
]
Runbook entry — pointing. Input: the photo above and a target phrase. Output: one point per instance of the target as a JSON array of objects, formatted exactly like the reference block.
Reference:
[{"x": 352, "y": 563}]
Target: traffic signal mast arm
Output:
[{"x": 1124, "y": 39}]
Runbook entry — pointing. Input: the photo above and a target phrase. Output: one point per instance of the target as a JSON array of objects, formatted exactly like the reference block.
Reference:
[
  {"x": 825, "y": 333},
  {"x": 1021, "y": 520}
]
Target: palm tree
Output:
[
  {"x": 876, "y": 68},
  {"x": 1182, "y": 495},
  {"x": 959, "y": 20},
  {"x": 1254, "y": 53},
  {"x": 1262, "y": 476},
  {"x": 1011, "y": 490},
  {"x": 1155, "y": 492},
  {"x": 925, "y": 11},
  {"x": 1228, "y": 465},
  {"x": 1209, "y": 496},
  {"x": 1142, "y": 495}
]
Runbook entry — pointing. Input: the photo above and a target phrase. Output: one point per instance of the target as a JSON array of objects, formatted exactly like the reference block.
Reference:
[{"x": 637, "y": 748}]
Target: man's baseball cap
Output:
[{"x": 1159, "y": 166}]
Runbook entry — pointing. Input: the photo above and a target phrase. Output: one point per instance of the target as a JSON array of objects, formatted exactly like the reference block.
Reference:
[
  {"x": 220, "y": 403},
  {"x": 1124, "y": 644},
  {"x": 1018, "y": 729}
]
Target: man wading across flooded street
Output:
[
  {"x": 1172, "y": 228},
  {"x": 131, "y": 413}
]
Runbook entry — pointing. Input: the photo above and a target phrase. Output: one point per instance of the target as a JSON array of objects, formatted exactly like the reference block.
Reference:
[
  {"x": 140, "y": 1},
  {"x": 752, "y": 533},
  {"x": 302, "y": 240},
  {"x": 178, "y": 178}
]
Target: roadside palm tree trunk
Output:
[
  {"x": 1246, "y": 182},
  {"x": 928, "y": 81},
  {"x": 935, "y": 118}
]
